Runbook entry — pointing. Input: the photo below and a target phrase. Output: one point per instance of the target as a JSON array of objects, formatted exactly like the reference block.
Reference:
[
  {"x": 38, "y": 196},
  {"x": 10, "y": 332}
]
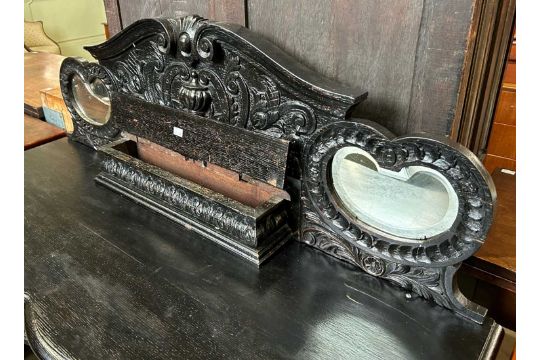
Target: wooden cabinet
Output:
[{"x": 501, "y": 149}]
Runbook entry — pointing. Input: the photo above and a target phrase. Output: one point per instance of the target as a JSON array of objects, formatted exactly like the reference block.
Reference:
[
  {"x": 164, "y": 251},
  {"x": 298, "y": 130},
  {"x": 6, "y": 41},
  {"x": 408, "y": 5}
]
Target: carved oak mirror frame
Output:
[
  {"x": 425, "y": 266},
  {"x": 228, "y": 74}
]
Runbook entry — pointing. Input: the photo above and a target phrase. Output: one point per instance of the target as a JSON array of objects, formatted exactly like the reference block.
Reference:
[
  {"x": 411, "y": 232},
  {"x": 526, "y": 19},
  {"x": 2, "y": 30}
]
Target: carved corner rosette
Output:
[{"x": 425, "y": 266}]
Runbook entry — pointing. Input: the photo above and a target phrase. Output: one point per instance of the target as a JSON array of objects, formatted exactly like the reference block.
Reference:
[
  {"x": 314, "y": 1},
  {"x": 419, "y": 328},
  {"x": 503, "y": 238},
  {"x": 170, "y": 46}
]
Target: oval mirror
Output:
[
  {"x": 415, "y": 203},
  {"x": 91, "y": 100}
]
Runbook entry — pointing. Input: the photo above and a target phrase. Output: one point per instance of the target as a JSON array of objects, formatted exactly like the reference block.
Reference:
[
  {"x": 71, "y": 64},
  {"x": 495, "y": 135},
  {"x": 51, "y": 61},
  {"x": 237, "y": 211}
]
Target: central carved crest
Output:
[{"x": 209, "y": 69}]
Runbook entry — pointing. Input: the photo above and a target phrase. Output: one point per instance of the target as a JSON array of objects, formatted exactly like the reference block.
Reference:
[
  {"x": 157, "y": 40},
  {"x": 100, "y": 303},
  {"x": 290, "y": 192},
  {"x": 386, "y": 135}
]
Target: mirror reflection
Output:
[
  {"x": 416, "y": 203},
  {"x": 91, "y": 100}
]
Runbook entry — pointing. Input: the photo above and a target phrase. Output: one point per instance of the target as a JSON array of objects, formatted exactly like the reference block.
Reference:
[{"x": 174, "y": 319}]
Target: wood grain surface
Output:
[
  {"x": 505, "y": 112},
  {"x": 492, "y": 162},
  {"x": 493, "y": 267},
  {"x": 133, "y": 10},
  {"x": 108, "y": 279},
  {"x": 248, "y": 153},
  {"x": 37, "y": 132},
  {"x": 499, "y": 248},
  {"x": 409, "y": 55},
  {"x": 114, "y": 20},
  {"x": 41, "y": 71},
  {"x": 502, "y": 141},
  {"x": 232, "y": 11}
]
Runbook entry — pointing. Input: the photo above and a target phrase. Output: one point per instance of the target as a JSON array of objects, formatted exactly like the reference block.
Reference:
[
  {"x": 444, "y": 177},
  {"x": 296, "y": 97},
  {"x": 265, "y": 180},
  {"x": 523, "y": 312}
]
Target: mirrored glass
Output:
[
  {"x": 416, "y": 203},
  {"x": 91, "y": 100}
]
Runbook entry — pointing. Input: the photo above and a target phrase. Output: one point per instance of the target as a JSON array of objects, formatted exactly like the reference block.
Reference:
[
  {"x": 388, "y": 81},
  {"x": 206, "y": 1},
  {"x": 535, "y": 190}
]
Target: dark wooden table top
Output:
[
  {"x": 37, "y": 132},
  {"x": 41, "y": 71},
  {"x": 495, "y": 262},
  {"x": 108, "y": 279}
]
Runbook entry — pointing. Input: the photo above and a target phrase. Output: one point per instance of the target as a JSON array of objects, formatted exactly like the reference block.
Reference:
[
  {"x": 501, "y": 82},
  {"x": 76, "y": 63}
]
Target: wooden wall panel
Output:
[
  {"x": 223, "y": 10},
  {"x": 133, "y": 10},
  {"x": 232, "y": 11},
  {"x": 440, "y": 61},
  {"x": 112, "y": 13},
  {"x": 408, "y": 54}
]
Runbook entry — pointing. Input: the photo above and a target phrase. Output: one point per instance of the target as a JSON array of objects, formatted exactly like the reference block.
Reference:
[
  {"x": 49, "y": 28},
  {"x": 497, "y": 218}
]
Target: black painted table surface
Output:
[{"x": 108, "y": 279}]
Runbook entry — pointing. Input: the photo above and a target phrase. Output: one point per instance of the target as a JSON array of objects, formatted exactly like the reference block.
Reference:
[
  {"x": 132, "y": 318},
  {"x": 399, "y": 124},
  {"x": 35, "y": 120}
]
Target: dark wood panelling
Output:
[
  {"x": 133, "y": 10},
  {"x": 501, "y": 147},
  {"x": 409, "y": 55},
  {"x": 114, "y": 21},
  {"x": 439, "y": 63},
  {"x": 232, "y": 11},
  {"x": 490, "y": 38}
]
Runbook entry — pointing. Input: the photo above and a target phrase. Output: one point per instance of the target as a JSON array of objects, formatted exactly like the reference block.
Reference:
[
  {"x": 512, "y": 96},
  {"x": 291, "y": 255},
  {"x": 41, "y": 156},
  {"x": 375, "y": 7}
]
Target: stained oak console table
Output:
[{"x": 108, "y": 279}]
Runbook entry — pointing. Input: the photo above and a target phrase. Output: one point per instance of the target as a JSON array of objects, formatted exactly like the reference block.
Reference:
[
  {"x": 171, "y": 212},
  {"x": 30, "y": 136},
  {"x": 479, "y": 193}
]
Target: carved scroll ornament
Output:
[{"x": 215, "y": 70}]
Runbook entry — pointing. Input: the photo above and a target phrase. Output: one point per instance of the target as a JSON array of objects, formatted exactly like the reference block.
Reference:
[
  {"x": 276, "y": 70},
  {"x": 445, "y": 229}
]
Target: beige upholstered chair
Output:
[{"x": 36, "y": 39}]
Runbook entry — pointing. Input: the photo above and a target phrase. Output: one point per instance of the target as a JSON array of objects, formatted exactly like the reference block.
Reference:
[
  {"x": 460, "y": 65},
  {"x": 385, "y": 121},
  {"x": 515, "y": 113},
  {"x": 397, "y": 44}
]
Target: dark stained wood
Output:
[
  {"x": 41, "y": 70},
  {"x": 394, "y": 49},
  {"x": 204, "y": 139},
  {"x": 37, "y": 132},
  {"x": 492, "y": 292},
  {"x": 501, "y": 145},
  {"x": 490, "y": 39},
  {"x": 232, "y": 11},
  {"x": 133, "y": 10},
  {"x": 105, "y": 278},
  {"x": 114, "y": 21},
  {"x": 440, "y": 60}
]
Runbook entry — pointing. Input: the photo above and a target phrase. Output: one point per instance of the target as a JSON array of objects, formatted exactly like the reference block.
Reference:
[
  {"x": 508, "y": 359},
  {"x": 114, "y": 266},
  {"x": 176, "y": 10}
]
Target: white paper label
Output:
[{"x": 178, "y": 132}]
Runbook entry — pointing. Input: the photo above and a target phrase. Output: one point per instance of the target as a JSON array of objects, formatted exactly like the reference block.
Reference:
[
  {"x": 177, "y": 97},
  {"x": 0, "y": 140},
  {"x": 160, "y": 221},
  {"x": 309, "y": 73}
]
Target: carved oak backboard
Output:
[{"x": 407, "y": 209}]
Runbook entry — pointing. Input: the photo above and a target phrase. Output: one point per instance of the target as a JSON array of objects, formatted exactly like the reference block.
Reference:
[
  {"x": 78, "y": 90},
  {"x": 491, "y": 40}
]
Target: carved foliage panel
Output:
[{"x": 201, "y": 67}]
